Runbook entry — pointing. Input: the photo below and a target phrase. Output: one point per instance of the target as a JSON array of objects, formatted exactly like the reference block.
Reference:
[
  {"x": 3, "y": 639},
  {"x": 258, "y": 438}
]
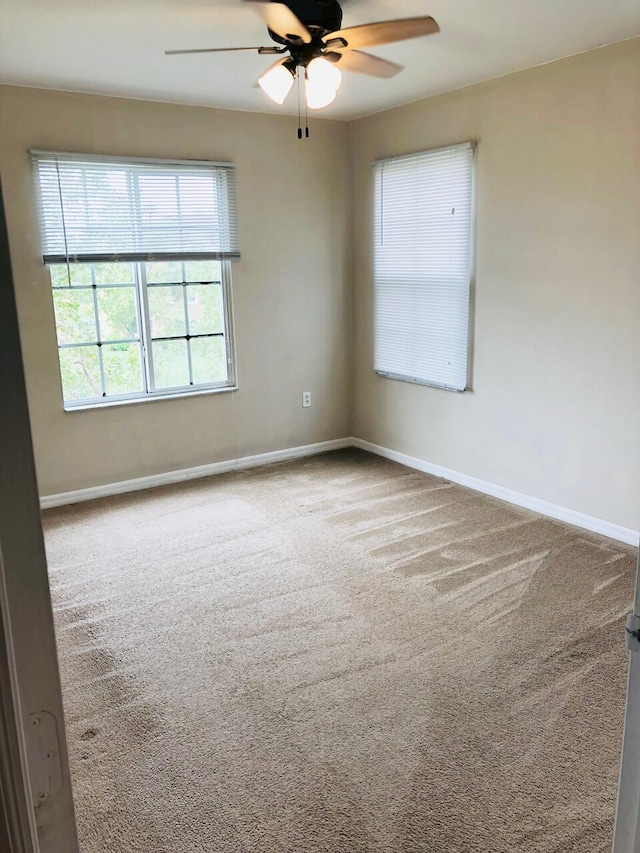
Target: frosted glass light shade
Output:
[
  {"x": 318, "y": 96},
  {"x": 324, "y": 73},
  {"x": 277, "y": 83},
  {"x": 322, "y": 82}
]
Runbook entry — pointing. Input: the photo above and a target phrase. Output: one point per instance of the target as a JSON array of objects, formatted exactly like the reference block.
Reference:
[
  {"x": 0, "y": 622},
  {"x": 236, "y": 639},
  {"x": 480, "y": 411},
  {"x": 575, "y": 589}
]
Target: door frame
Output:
[
  {"x": 18, "y": 832},
  {"x": 627, "y": 826},
  {"x": 36, "y": 803}
]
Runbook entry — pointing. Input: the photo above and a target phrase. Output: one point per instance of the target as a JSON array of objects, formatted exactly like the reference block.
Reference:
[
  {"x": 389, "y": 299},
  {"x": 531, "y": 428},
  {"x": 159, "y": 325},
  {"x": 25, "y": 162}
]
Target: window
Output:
[
  {"x": 423, "y": 214},
  {"x": 128, "y": 330},
  {"x": 139, "y": 257}
]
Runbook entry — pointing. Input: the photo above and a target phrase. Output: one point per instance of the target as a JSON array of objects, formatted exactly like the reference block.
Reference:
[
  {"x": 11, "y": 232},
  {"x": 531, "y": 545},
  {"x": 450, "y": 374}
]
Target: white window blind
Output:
[
  {"x": 422, "y": 266},
  {"x": 95, "y": 209}
]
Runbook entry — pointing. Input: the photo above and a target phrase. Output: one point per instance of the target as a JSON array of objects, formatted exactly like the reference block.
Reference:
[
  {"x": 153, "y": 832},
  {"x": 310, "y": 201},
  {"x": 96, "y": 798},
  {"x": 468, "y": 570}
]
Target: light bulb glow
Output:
[
  {"x": 277, "y": 83},
  {"x": 317, "y": 96},
  {"x": 322, "y": 81},
  {"x": 324, "y": 73}
]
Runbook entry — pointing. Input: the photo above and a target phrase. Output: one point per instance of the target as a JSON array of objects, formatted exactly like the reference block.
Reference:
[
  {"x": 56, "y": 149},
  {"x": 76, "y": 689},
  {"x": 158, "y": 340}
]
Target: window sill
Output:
[
  {"x": 424, "y": 382},
  {"x": 150, "y": 399}
]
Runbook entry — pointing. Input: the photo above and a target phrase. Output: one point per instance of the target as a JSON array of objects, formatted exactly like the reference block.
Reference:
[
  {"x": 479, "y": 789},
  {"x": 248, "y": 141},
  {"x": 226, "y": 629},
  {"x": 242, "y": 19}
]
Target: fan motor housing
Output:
[{"x": 319, "y": 16}]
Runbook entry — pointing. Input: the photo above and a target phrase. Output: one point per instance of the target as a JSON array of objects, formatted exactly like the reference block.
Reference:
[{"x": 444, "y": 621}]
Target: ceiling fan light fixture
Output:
[
  {"x": 308, "y": 36},
  {"x": 277, "y": 83}
]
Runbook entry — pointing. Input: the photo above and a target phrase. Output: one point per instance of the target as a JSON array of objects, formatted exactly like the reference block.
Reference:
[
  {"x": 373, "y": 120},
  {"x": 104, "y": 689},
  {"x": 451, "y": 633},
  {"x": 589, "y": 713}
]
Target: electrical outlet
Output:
[{"x": 306, "y": 399}]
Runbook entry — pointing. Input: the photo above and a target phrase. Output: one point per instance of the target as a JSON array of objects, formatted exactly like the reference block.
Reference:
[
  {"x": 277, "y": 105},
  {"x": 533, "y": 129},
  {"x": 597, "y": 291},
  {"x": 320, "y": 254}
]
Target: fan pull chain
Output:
[
  {"x": 299, "y": 72},
  {"x": 299, "y": 111}
]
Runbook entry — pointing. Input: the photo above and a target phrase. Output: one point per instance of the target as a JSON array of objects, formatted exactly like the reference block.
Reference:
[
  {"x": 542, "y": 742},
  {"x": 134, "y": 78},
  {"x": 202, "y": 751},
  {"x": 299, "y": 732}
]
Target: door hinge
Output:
[
  {"x": 43, "y": 750},
  {"x": 632, "y": 632}
]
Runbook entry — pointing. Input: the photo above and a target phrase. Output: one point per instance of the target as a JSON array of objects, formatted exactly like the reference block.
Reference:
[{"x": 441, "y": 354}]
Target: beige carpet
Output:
[{"x": 341, "y": 655}]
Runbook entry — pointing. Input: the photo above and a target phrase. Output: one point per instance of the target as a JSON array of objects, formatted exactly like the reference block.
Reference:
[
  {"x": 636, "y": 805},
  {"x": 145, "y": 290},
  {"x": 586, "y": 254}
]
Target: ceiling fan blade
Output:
[
  {"x": 383, "y": 32},
  {"x": 365, "y": 63},
  {"x": 282, "y": 21},
  {"x": 268, "y": 50}
]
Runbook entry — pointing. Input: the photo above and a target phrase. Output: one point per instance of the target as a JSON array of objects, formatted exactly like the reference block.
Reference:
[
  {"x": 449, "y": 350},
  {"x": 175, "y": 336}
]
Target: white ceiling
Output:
[{"x": 116, "y": 47}]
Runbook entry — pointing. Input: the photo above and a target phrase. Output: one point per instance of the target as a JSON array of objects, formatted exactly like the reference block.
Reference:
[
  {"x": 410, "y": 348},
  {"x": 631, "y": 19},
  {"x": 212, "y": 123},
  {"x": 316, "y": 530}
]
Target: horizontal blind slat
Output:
[
  {"x": 118, "y": 210},
  {"x": 422, "y": 266}
]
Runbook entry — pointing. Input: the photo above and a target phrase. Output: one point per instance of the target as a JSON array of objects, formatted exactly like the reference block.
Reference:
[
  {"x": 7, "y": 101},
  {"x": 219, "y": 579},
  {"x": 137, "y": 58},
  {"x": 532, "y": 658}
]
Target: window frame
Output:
[
  {"x": 139, "y": 232},
  {"x": 145, "y": 341},
  {"x": 472, "y": 146}
]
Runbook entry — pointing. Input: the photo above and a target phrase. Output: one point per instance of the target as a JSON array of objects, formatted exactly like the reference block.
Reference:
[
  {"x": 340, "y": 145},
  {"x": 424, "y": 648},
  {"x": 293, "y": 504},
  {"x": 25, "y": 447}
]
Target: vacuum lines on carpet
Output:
[{"x": 338, "y": 655}]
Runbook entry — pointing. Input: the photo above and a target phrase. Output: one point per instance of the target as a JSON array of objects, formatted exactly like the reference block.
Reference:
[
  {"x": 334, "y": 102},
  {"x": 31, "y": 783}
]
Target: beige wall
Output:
[
  {"x": 555, "y": 407},
  {"x": 291, "y": 288}
]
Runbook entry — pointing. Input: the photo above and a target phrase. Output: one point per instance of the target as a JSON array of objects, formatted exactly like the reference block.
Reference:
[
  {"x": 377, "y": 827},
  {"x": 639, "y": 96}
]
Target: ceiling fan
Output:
[{"x": 311, "y": 38}]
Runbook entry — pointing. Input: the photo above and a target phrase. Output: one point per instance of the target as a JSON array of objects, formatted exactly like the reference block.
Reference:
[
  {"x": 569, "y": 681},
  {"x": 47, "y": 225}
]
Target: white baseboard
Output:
[
  {"x": 121, "y": 488},
  {"x": 570, "y": 516}
]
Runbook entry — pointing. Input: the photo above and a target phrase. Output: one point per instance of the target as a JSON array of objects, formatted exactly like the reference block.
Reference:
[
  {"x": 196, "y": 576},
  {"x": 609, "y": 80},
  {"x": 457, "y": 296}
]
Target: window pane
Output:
[
  {"x": 208, "y": 360},
  {"x": 202, "y": 271},
  {"x": 59, "y": 275},
  {"x": 166, "y": 310},
  {"x": 170, "y": 364},
  {"x": 80, "y": 275},
  {"x": 75, "y": 316},
  {"x": 117, "y": 313},
  {"x": 80, "y": 371},
  {"x": 122, "y": 368},
  {"x": 76, "y": 275},
  {"x": 204, "y": 303},
  {"x": 161, "y": 272},
  {"x": 115, "y": 273}
]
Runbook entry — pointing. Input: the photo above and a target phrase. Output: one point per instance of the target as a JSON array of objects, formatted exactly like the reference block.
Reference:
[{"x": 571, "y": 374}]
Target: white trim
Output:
[
  {"x": 570, "y": 516},
  {"x": 19, "y": 815},
  {"x": 78, "y": 157},
  {"x": 560, "y": 513},
  {"x": 121, "y": 488},
  {"x": 148, "y": 398},
  {"x": 461, "y": 146}
]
